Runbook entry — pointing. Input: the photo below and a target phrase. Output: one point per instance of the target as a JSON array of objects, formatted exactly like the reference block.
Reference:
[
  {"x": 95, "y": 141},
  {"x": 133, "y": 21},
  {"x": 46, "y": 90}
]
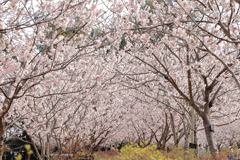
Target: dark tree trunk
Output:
[
  {"x": 2, "y": 132},
  {"x": 209, "y": 136}
]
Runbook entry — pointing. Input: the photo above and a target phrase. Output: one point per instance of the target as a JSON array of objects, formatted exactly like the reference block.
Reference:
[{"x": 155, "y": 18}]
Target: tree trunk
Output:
[
  {"x": 35, "y": 148},
  {"x": 43, "y": 149},
  {"x": 2, "y": 132},
  {"x": 209, "y": 136},
  {"x": 186, "y": 141}
]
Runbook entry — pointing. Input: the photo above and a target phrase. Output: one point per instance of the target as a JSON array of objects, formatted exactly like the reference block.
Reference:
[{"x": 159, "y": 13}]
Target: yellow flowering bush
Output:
[
  {"x": 134, "y": 152},
  {"x": 27, "y": 147},
  {"x": 29, "y": 152},
  {"x": 19, "y": 157},
  {"x": 178, "y": 151}
]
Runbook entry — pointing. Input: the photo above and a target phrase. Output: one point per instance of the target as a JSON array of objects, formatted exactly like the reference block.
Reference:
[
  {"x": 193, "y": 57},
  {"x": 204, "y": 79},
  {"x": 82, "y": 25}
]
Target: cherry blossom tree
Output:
[
  {"x": 190, "y": 48},
  {"x": 71, "y": 70},
  {"x": 40, "y": 42},
  {"x": 228, "y": 134},
  {"x": 81, "y": 110}
]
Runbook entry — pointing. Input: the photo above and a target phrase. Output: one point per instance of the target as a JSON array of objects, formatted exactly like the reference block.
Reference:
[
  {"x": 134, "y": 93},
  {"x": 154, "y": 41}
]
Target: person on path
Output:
[{"x": 200, "y": 150}]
